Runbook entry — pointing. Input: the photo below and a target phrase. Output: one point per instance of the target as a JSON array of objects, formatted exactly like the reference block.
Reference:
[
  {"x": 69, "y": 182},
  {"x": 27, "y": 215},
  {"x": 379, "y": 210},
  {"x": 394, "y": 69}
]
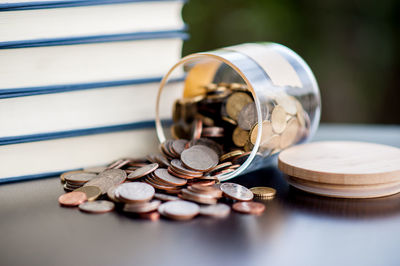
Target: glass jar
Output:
[{"x": 284, "y": 108}]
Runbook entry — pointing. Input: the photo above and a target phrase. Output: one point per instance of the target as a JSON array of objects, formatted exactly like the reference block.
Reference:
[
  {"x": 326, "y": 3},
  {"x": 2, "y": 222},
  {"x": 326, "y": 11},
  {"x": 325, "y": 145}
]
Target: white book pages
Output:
[
  {"x": 72, "y": 153},
  {"x": 90, "y": 20},
  {"x": 84, "y": 109},
  {"x": 83, "y": 63}
]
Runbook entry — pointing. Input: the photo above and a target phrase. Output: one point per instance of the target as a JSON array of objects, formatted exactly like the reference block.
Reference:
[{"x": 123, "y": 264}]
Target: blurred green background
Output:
[{"x": 351, "y": 46}]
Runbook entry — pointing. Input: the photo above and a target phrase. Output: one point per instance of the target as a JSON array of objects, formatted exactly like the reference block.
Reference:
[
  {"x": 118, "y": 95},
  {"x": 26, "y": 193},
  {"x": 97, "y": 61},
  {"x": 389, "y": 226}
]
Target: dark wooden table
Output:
[{"x": 296, "y": 229}]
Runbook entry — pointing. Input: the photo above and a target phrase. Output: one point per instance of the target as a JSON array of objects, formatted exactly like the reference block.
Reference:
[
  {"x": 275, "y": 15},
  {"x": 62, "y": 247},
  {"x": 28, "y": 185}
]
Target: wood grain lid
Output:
[{"x": 342, "y": 163}]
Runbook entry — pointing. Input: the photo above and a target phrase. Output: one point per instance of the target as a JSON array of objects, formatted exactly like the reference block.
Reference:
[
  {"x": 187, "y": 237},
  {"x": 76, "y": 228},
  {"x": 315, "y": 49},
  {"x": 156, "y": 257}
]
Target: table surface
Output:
[{"x": 296, "y": 228}]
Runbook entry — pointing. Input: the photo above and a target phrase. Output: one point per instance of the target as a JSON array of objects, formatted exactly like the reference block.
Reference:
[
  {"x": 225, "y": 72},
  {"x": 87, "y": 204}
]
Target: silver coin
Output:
[
  {"x": 236, "y": 192},
  {"x": 165, "y": 197},
  {"x": 117, "y": 176},
  {"x": 247, "y": 117},
  {"x": 80, "y": 177},
  {"x": 166, "y": 177},
  {"x": 134, "y": 192},
  {"x": 142, "y": 171},
  {"x": 142, "y": 207},
  {"x": 100, "y": 206},
  {"x": 179, "y": 145},
  {"x": 199, "y": 158},
  {"x": 179, "y": 210},
  {"x": 219, "y": 210}
]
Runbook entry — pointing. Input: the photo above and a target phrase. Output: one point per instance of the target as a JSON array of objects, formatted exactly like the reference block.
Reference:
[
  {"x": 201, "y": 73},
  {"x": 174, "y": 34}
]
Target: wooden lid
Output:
[{"x": 342, "y": 163}]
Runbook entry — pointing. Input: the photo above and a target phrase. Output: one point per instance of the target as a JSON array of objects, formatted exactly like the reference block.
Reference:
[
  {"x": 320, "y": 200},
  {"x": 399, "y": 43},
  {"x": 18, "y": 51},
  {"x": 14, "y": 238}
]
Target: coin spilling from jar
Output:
[{"x": 213, "y": 134}]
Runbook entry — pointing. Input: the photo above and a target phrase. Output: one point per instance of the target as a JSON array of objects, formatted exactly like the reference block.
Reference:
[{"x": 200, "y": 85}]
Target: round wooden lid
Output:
[{"x": 342, "y": 163}]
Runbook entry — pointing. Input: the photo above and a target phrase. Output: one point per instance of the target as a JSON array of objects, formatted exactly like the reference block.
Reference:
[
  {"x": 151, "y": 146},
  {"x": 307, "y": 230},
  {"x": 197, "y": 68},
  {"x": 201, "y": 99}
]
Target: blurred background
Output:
[{"x": 351, "y": 46}]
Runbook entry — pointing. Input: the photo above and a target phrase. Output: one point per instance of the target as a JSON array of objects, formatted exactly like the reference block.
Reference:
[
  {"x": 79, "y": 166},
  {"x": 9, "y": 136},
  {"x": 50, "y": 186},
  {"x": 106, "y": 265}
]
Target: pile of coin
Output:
[
  {"x": 227, "y": 114},
  {"x": 144, "y": 189},
  {"x": 213, "y": 135}
]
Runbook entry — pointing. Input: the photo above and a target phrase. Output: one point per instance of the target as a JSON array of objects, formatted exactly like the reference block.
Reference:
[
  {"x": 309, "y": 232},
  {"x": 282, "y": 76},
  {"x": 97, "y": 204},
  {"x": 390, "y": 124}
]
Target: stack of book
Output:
[{"x": 79, "y": 79}]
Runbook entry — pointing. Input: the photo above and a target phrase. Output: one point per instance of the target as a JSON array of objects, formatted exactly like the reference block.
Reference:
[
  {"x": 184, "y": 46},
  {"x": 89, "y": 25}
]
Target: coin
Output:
[
  {"x": 134, "y": 192},
  {"x": 198, "y": 197},
  {"x": 111, "y": 194},
  {"x": 107, "y": 179},
  {"x": 241, "y": 158},
  {"x": 95, "y": 169},
  {"x": 278, "y": 119},
  {"x": 142, "y": 207},
  {"x": 214, "y": 191},
  {"x": 165, "y": 197},
  {"x": 230, "y": 155},
  {"x": 249, "y": 207},
  {"x": 177, "y": 165},
  {"x": 179, "y": 210},
  {"x": 213, "y": 132},
  {"x": 220, "y": 167},
  {"x": 179, "y": 145},
  {"x": 142, "y": 171},
  {"x": 263, "y": 192},
  {"x": 80, "y": 177},
  {"x": 266, "y": 133},
  {"x": 236, "y": 192},
  {"x": 219, "y": 210},
  {"x": 287, "y": 102},
  {"x": 66, "y": 174},
  {"x": 208, "y": 143},
  {"x": 199, "y": 158},
  {"x": 92, "y": 192},
  {"x": 99, "y": 206},
  {"x": 236, "y": 102},
  {"x": 229, "y": 120},
  {"x": 152, "y": 216},
  {"x": 72, "y": 199},
  {"x": 289, "y": 135},
  {"x": 240, "y": 136},
  {"x": 197, "y": 128},
  {"x": 247, "y": 117},
  {"x": 166, "y": 177}
]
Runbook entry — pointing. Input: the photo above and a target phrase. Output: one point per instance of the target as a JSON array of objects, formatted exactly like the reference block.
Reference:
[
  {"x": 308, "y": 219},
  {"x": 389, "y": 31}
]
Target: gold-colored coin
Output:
[
  {"x": 271, "y": 143},
  {"x": 92, "y": 192},
  {"x": 238, "y": 87},
  {"x": 230, "y": 155},
  {"x": 278, "y": 119},
  {"x": 236, "y": 102},
  {"x": 288, "y": 136},
  {"x": 240, "y": 136},
  {"x": 266, "y": 132},
  {"x": 263, "y": 192},
  {"x": 300, "y": 114},
  {"x": 287, "y": 102}
]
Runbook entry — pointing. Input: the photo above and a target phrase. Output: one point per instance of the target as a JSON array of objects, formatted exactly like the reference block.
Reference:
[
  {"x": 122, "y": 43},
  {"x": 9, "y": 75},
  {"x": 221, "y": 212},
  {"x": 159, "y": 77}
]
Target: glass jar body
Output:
[{"x": 264, "y": 94}]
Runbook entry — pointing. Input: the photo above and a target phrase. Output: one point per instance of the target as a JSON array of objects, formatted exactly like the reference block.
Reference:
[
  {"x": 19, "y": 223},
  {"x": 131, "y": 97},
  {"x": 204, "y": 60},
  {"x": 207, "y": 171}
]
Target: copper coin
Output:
[
  {"x": 241, "y": 158},
  {"x": 165, "y": 197},
  {"x": 197, "y": 128},
  {"x": 142, "y": 207},
  {"x": 224, "y": 172},
  {"x": 220, "y": 166},
  {"x": 249, "y": 207},
  {"x": 178, "y": 166},
  {"x": 197, "y": 197},
  {"x": 179, "y": 210},
  {"x": 178, "y": 146},
  {"x": 163, "y": 174},
  {"x": 179, "y": 174},
  {"x": 152, "y": 216},
  {"x": 158, "y": 186},
  {"x": 72, "y": 199},
  {"x": 142, "y": 171},
  {"x": 99, "y": 206},
  {"x": 214, "y": 191},
  {"x": 219, "y": 210},
  {"x": 230, "y": 155},
  {"x": 134, "y": 192},
  {"x": 205, "y": 182},
  {"x": 236, "y": 192},
  {"x": 199, "y": 158}
]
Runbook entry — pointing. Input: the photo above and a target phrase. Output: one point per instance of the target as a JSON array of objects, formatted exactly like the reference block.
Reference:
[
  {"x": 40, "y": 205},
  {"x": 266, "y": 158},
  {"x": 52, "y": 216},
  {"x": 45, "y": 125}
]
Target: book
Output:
[
  {"x": 47, "y": 158},
  {"x": 106, "y": 60},
  {"x": 37, "y": 22},
  {"x": 45, "y": 116}
]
